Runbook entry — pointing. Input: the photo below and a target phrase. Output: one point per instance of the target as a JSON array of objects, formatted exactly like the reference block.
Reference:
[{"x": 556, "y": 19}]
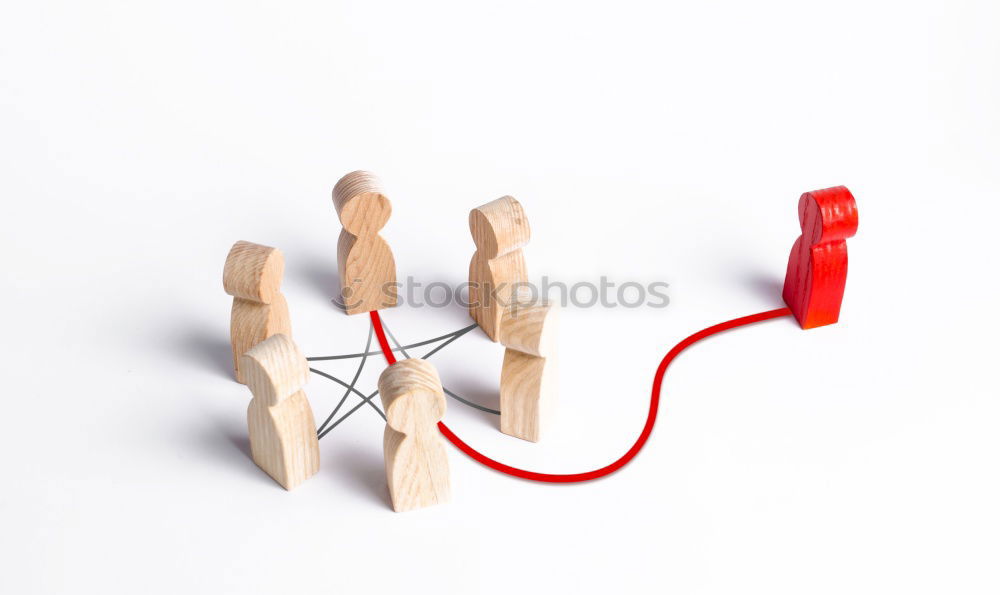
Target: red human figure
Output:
[{"x": 817, "y": 267}]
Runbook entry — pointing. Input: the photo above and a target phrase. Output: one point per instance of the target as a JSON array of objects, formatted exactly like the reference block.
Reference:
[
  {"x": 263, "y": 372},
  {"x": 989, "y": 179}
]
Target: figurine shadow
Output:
[
  {"x": 361, "y": 469},
  {"x": 479, "y": 392},
  {"x": 241, "y": 442},
  {"x": 229, "y": 446},
  {"x": 456, "y": 311},
  {"x": 209, "y": 351},
  {"x": 321, "y": 276},
  {"x": 766, "y": 286}
]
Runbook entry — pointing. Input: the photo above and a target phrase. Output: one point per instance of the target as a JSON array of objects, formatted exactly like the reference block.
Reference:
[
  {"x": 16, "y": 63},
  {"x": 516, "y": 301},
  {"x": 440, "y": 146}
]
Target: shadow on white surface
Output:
[
  {"x": 241, "y": 442},
  {"x": 229, "y": 447},
  {"x": 319, "y": 274},
  {"x": 206, "y": 350},
  {"x": 360, "y": 469},
  {"x": 478, "y": 391},
  {"x": 765, "y": 286}
]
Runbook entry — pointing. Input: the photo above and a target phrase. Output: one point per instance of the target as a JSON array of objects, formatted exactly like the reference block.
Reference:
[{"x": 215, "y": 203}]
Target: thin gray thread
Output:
[
  {"x": 470, "y": 403},
  {"x": 368, "y": 398},
  {"x": 446, "y": 391},
  {"x": 451, "y": 337},
  {"x": 410, "y": 346},
  {"x": 361, "y": 366},
  {"x": 337, "y": 380},
  {"x": 393, "y": 338},
  {"x": 445, "y": 344},
  {"x": 344, "y": 384}
]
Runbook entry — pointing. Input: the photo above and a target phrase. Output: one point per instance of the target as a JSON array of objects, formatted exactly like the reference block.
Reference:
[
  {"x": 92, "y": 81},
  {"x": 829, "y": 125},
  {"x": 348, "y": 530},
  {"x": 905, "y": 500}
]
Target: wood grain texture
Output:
[
  {"x": 282, "y": 428},
  {"x": 275, "y": 369},
  {"x": 528, "y": 379},
  {"x": 499, "y": 229},
  {"x": 365, "y": 261},
  {"x": 416, "y": 463},
  {"x": 530, "y": 327},
  {"x": 253, "y": 272},
  {"x": 368, "y": 266},
  {"x": 817, "y": 266},
  {"x": 252, "y": 322},
  {"x": 252, "y": 275}
]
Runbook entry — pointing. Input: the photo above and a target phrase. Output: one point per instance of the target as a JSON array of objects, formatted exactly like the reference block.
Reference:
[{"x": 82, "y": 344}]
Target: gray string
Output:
[
  {"x": 364, "y": 358},
  {"x": 401, "y": 348},
  {"x": 435, "y": 350},
  {"x": 325, "y": 429}
]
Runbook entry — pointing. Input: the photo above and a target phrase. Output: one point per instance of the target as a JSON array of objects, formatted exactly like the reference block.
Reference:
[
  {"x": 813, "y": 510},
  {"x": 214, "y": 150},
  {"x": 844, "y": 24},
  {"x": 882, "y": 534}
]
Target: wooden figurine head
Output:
[
  {"x": 828, "y": 215},
  {"x": 499, "y": 227},
  {"x": 274, "y": 369},
  {"x": 530, "y": 328},
  {"x": 411, "y": 395},
  {"x": 361, "y": 204},
  {"x": 253, "y": 272}
]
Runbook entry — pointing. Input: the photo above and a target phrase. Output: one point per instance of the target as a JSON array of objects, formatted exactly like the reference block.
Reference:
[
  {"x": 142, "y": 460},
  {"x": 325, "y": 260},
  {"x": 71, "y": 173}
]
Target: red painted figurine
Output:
[{"x": 817, "y": 267}]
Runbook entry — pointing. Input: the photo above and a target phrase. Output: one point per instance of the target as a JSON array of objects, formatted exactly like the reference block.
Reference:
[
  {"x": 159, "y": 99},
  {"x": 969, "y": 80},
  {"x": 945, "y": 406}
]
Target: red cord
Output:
[
  {"x": 654, "y": 403},
  {"x": 382, "y": 341}
]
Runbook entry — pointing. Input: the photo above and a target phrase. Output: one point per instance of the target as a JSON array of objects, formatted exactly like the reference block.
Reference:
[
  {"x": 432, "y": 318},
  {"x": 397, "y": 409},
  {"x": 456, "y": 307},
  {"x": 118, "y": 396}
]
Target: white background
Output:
[{"x": 647, "y": 141}]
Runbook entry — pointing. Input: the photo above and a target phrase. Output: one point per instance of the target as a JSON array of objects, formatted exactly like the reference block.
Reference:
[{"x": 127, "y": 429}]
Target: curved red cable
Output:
[
  {"x": 654, "y": 403},
  {"x": 380, "y": 335}
]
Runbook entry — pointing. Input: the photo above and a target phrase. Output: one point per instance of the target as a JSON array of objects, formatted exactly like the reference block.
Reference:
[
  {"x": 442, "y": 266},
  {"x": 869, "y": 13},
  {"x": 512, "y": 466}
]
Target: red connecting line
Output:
[
  {"x": 654, "y": 403},
  {"x": 380, "y": 335}
]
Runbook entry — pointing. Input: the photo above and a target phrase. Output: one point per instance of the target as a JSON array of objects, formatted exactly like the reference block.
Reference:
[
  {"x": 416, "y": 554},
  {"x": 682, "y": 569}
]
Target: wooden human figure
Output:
[
  {"x": 367, "y": 267},
  {"x": 252, "y": 275},
  {"x": 499, "y": 229},
  {"x": 817, "y": 266},
  {"x": 528, "y": 378},
  {"x": 283, "y": 438},
  {"x": 416, "y": 463}
]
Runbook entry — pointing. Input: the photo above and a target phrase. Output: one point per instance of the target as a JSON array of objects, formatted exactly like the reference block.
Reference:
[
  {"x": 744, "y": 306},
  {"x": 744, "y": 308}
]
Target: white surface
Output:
[{"x": 647, "y": 141}]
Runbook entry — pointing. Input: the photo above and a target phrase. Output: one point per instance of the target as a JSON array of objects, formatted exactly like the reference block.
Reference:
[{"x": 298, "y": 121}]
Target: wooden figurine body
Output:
[
  {"x": 499, "y": 229},
  {"x": 416, "y": 463},
  {"x": 817, "y": 266},
  {"x": 282, "y": 429},
  {"x": 364, "y": 260},
  {"x": 528, "y": 378},
  {"x": 252, "y": 275}
]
